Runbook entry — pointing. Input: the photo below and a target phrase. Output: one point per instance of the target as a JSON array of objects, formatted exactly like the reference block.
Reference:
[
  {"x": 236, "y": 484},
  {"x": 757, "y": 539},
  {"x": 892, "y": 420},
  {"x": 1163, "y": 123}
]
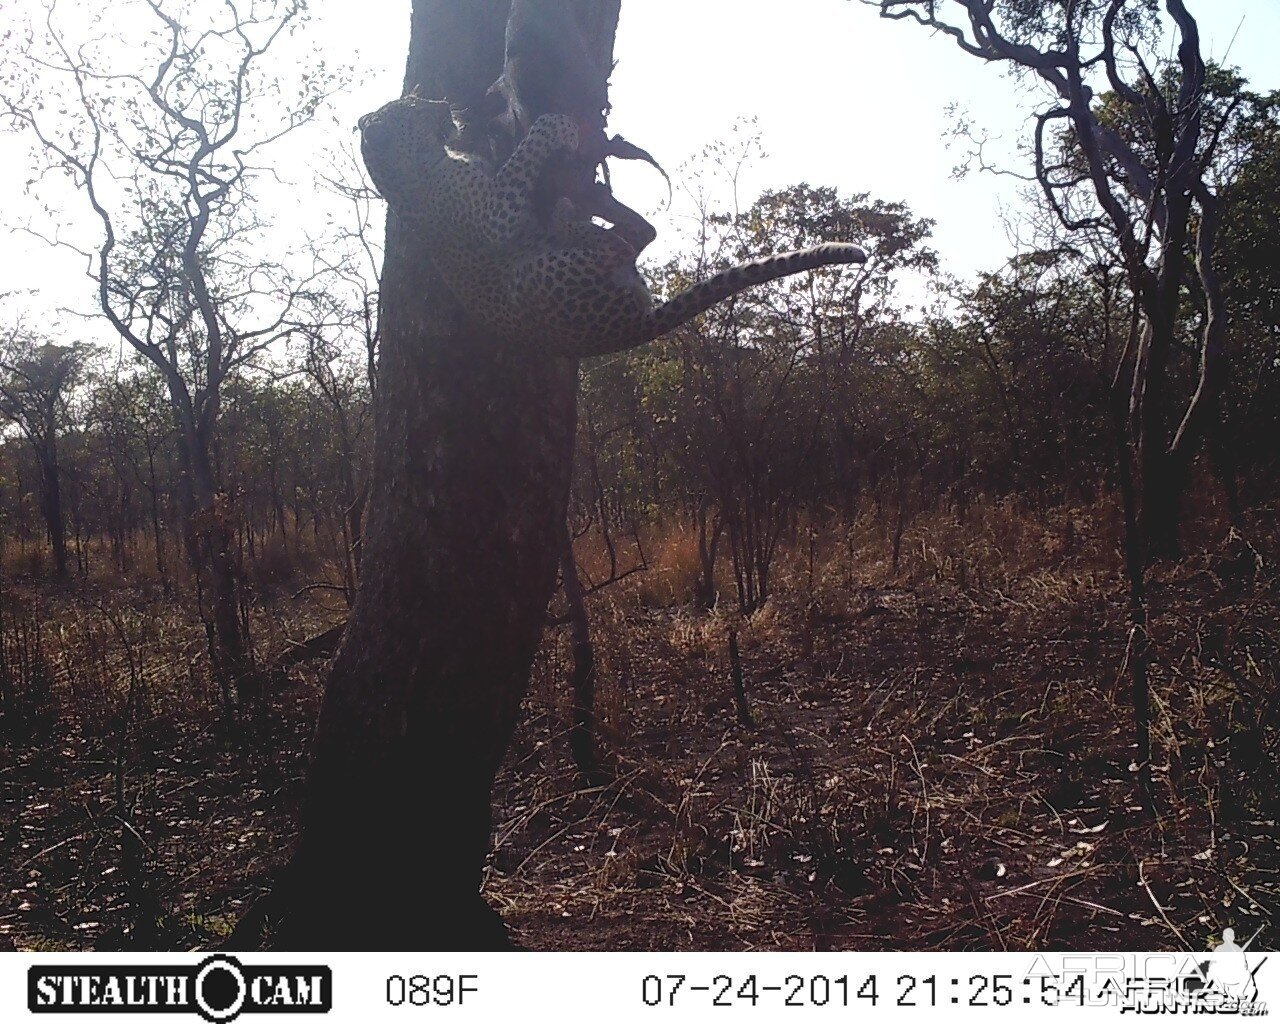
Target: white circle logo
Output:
[{"x": 220, "y": 989}]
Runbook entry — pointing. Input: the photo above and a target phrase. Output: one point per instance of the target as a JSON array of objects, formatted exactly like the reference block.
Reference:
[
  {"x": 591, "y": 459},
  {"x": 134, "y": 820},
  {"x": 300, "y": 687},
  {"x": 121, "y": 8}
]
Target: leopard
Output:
[{"x": 563, "y": 281}]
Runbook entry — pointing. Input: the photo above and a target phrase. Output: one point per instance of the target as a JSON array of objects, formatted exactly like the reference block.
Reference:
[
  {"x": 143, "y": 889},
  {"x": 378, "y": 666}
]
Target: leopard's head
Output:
[{"x": 402, "y": 140}]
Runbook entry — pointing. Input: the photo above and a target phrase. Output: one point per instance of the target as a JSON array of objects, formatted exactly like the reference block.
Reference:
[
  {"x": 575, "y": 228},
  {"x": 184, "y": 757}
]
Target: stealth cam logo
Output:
[{"x": 219, "y": 989}]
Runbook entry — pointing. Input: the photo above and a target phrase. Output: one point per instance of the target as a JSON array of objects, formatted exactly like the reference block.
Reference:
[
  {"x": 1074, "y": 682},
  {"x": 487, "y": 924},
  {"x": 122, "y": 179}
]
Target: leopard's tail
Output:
[{"x": 701, "y": 297}]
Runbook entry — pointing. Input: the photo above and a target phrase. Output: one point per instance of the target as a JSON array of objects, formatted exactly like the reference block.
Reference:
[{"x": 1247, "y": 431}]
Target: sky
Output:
[
  {"x": 839, "y": 97},
  {"x": 845, "y": 98}
]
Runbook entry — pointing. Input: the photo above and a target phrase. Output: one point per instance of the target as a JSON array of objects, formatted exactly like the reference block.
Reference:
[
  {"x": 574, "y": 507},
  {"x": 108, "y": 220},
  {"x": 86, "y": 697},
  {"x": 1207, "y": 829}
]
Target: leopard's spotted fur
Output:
[{"x": 571, "y": 285}]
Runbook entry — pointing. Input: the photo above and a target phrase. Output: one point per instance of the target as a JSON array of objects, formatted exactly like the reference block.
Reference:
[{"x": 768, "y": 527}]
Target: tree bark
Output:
[
  {"x": 708, "y": 544},
  {"x": 473, "y": 452},
  {"x": 1135, "y": 558},
  {"x": 208, "y": 539},
  {"x": 582, "y": 734},
  {"x": 153, "y": 492},
  {"x": 51, "y": 504},
  {"x": 1162, "y": 483}
]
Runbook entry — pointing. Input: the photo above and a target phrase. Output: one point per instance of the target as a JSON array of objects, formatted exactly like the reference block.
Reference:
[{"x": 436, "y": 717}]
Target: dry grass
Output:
[{"x": 942, "y": 758}]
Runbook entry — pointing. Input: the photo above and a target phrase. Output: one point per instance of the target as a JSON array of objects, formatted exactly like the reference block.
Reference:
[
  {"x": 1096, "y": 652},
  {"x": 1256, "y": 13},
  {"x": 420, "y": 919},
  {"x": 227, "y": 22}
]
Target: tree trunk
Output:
[
  {"x": 51, "y": 505},
  {"x": 708, "y": 543},
  {"x": 208, "y": 536},
  {"x": 277, "y": 506},
  {"x": 582, "y": 734},
  {"x": 1128, "y": 454},
  {"x": 1159, "y": 489},
  {"x": 1163, "y": 476},
  {"x": 353, "y": 502},
  {"x": 355, "y": 531},
  {"x": 473, "y": 452},
  {"x": 153, "y": 491}
]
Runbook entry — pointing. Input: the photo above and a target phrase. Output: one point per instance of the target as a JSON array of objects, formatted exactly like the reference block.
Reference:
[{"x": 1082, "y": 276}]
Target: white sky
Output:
[{"x": 842, "y": 98}]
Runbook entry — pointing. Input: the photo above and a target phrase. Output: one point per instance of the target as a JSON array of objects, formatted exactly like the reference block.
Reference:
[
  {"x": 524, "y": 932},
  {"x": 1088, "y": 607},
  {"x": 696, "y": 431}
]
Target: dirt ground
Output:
[{"x": 940, "y": 758}]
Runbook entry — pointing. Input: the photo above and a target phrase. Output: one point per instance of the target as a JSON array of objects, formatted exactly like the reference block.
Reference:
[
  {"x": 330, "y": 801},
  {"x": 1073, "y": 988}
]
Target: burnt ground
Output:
[{"x": 940, "y": 759}]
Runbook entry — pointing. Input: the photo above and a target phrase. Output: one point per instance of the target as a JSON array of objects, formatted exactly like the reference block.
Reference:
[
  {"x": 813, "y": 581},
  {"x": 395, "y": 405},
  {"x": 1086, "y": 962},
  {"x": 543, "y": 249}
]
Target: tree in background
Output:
[
  {"x": 1025, "y": 364},
  {"x": 1134, "y": 164},
  {"x": 746, "y": 398},
  {"x": 36, "y": 383},
  {"x": 159, "y": 136},
  {"x": 1248, "y": 173},
  {"x": 130, "y": 412}
]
